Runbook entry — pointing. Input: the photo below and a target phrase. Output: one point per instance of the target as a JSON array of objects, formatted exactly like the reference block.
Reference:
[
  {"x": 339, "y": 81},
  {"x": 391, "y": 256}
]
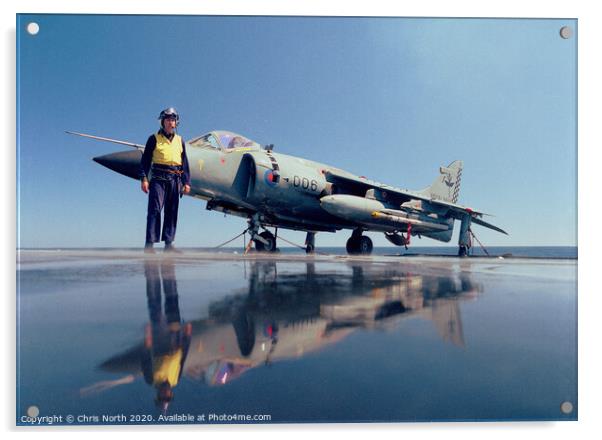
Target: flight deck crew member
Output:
[{"x": 165, "y": 156}]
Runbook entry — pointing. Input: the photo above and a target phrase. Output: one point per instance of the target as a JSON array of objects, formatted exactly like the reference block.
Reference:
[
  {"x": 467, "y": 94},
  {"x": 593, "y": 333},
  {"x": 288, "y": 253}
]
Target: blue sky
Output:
[{"x": 391, "y": 99}]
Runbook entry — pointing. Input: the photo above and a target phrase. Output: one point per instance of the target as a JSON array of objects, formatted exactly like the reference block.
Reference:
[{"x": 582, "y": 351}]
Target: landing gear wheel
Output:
[
  {"x": 365, "y": 245},
  {"x": 361, "y": 245},
  {"x": 309, "y": 249},
  {"x": 271, "y": 242},
  {"x": 463, "y": 251},
  {"x": 352, "y": 246}
]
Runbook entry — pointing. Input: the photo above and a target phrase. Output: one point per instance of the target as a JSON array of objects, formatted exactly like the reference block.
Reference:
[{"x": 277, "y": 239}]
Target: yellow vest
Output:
[
  {"x": 166, "y": 152},
  {"x": 167, "y": 368}
]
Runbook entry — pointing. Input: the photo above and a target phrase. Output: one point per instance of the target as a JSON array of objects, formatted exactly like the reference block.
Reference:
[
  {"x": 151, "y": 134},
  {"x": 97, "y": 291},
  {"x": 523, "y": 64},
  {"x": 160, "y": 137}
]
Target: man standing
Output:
[{"x": 165, "y": 156}]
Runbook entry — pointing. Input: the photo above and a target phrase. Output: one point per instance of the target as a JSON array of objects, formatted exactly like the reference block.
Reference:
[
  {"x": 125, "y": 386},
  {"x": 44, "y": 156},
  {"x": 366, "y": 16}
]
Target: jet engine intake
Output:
[{"x": 245, "y": 179}]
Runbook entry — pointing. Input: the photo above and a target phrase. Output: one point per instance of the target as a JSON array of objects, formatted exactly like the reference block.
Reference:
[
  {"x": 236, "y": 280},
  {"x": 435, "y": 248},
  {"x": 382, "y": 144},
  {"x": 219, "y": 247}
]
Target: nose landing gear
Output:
[{"x": 265, "y": 242}]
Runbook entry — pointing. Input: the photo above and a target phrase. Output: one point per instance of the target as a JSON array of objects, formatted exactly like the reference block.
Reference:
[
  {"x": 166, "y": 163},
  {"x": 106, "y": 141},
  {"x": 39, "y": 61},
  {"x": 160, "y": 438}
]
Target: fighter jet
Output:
[{"x": 238, "y": 176}]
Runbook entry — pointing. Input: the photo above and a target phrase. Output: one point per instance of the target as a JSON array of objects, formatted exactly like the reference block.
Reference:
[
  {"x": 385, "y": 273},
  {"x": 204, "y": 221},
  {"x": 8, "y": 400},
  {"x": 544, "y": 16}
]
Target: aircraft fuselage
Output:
[{"x": 285, "y": 188}]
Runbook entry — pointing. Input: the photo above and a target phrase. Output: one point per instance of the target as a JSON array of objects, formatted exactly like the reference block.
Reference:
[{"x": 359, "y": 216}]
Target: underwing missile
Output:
[{"x": 372, "y": 211}]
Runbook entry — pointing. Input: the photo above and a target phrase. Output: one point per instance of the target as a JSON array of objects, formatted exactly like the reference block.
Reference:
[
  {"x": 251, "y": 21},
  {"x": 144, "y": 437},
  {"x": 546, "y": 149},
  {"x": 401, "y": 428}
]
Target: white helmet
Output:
[{"x": 169, "y": 113}]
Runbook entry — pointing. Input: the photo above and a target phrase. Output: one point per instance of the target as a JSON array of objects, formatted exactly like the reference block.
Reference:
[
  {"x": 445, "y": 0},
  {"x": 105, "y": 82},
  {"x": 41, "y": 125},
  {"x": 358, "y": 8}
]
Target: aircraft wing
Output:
[
  {"x": 488, "y": 225},
  {"x": 360, "y": 186}
]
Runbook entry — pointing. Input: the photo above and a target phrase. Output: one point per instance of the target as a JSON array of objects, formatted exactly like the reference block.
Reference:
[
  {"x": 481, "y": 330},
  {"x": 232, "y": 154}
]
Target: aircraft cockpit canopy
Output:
[{"x": 224, "y": 140}]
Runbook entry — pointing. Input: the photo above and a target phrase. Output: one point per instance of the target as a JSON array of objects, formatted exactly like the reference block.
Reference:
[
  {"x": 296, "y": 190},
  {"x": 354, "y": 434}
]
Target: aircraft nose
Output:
[{"x": 122, "y": 162}]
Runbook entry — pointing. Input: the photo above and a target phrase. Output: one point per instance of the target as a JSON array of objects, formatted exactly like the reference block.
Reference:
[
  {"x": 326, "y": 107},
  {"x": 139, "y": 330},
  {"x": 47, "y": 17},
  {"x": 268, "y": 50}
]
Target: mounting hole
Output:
[
  {"x": 566, "y": 407},
  {"x": 33, "y": 28},
  {"x": 566, "y": 32}
]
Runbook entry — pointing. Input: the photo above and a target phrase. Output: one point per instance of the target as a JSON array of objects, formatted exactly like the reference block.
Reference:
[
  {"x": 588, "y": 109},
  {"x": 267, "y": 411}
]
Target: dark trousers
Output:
[
  {"x": 164, "y": 194},
  {"x": 154, "y": 280},
  {"x": 158, "y": 274}
]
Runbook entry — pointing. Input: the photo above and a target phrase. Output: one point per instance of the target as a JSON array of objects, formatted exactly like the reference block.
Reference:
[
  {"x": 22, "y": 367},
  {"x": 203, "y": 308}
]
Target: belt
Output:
[{"x": 177, "y": 169}]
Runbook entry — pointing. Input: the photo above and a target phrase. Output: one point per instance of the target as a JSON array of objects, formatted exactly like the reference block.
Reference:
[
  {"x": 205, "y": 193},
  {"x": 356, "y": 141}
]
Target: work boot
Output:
[
  {"x": 148, "y": 248},
  {"x": 169, "y": 247}
]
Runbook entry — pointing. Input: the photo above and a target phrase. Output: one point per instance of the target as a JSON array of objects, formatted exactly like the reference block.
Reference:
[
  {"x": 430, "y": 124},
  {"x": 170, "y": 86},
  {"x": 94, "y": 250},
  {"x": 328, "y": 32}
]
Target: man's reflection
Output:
[{"x": 167, "y": 338}]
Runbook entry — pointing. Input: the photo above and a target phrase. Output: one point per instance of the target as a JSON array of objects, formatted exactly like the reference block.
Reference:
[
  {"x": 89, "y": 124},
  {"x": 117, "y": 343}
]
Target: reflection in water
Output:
[
  {"x": 282, "y": 316},
  {"x": 166, "y": 339}
]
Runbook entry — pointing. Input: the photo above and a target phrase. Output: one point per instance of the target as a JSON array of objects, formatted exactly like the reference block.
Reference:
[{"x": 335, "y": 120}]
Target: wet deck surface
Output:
[{"x": 301, "y": 339}]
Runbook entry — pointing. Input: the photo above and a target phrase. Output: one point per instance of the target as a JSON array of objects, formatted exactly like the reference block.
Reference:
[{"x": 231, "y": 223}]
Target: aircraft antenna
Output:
[{"x": 115, "y": 141}]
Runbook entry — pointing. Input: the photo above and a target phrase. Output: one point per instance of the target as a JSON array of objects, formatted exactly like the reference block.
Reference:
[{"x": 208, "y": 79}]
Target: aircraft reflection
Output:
[{"x": 283, "y": 316}]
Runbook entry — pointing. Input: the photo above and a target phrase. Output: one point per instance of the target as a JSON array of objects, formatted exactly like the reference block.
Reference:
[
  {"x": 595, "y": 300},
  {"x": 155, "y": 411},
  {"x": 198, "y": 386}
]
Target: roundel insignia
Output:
[{"x": 268, "y": 177}]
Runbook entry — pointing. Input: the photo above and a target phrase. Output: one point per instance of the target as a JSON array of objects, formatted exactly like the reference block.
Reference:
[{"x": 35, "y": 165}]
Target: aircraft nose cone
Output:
[{"x": 122, "y": 162}]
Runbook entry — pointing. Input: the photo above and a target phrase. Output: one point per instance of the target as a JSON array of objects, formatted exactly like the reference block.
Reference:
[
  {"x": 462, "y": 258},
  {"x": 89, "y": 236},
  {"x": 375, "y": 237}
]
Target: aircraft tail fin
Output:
[{"x": 446, "y": 186}]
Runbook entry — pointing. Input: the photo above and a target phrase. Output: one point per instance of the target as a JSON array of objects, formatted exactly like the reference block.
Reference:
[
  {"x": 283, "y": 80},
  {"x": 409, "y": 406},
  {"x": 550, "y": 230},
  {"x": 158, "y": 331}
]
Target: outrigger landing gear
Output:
[
  {"x": 359, "y": 244},
  {"x": 464, "y": 241},
  {"x": 310, "y": 243}
]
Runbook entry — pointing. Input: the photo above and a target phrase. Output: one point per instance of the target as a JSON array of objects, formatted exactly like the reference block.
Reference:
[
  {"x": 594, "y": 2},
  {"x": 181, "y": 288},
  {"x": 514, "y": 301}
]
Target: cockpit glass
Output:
[
  {"x": 225, "y": 140},
  {"x": 232, "y": 140},
  {"x": 208, "y": 140}
]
